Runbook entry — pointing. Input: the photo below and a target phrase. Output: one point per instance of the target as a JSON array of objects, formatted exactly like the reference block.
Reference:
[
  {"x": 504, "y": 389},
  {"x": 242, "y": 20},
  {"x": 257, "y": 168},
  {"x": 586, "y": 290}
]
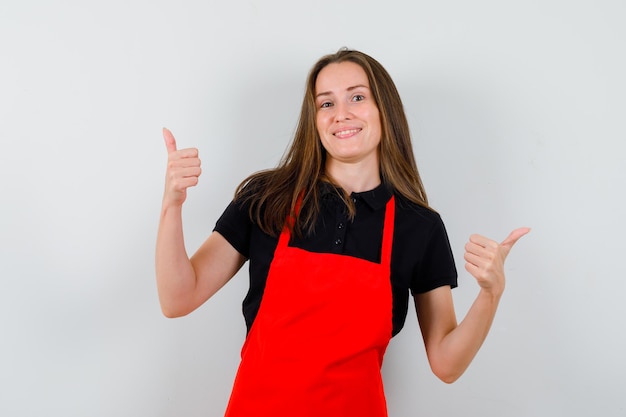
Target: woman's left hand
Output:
[{"x": 484, "y": 259}]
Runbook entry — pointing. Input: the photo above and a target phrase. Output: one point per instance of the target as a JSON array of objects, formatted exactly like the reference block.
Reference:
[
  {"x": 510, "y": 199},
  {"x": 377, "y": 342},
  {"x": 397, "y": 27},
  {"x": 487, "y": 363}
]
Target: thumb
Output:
[
  {"x": 514, "y": 237},
  {"x": 170, "y": 142}
]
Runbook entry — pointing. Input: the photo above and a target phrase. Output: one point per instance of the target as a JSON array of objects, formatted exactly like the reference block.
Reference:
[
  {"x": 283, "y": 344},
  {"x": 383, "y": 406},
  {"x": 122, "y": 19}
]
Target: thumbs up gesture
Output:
[
  {"x": 485, "y": 259},
  {"x": 183, "y": 170}
]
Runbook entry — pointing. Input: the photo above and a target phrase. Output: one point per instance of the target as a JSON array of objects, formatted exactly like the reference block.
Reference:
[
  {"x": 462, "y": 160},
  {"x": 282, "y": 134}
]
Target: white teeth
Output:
[{"x": 346, "y": 132}]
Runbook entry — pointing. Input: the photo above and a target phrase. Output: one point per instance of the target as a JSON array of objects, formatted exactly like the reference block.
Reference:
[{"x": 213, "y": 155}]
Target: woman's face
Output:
[{"x": 347, "y": 117}]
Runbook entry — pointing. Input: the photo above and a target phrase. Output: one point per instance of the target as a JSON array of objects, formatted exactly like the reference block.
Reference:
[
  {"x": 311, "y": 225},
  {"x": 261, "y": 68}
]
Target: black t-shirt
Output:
[{"x": 421, "y": 258}]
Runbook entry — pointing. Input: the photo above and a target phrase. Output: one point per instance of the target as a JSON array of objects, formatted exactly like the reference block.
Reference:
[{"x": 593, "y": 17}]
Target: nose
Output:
[{"x": 342, "y": 112}]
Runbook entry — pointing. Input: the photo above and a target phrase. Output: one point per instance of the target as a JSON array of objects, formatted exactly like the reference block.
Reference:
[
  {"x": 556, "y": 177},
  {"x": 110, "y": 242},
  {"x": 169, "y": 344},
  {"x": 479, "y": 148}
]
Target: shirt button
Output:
[
  {"x": 354, "y": 200},
  {"x": 340, "y": 226},
  {"x": 338, "y": 242}
]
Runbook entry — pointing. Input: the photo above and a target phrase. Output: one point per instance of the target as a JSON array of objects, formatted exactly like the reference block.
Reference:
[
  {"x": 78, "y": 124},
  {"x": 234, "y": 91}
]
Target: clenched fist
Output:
[
  {"x": 484, "y": 259},
  {"x": 183, "y": 170}
]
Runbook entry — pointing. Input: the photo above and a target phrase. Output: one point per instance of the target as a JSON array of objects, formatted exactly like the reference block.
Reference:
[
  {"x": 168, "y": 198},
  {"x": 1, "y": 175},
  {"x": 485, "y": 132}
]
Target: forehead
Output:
[{"x": 337, "y": 77}]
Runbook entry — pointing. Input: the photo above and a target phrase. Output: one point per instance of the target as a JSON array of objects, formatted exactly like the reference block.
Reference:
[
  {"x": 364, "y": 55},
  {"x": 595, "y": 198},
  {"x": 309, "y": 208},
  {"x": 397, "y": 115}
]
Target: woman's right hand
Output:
[
  {"x": 183, "y": 283},
  {"x": 183, "y": 170}
]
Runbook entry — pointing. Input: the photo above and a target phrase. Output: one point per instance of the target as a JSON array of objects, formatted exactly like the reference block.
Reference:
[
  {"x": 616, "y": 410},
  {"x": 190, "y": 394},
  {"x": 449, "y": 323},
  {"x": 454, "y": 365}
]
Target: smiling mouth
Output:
[{"x": 346, "y": 133}]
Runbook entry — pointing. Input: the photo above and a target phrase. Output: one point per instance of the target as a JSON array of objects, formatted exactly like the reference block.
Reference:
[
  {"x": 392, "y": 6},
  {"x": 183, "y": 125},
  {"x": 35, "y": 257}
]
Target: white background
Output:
[{"x": 517, "y": 110}]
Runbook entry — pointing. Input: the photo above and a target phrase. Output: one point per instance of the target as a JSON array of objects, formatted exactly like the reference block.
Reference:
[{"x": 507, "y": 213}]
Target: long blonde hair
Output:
[{"x": 274, "y": 193}]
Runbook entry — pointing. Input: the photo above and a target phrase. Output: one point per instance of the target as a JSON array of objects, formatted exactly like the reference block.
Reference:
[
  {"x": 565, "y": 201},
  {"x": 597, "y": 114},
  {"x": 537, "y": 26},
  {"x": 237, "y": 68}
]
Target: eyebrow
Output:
[{"x": 354, "y": 87}]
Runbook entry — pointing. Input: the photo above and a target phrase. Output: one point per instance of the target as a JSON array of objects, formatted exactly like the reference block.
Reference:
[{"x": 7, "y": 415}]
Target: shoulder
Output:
[
  {"x": 411, "y": 212},
  {"x": 253, "y": 185},
  {"x": 238, "y": 221},
  {"x": 417, "y": 228},
  {"x": 422, "y": 248}
]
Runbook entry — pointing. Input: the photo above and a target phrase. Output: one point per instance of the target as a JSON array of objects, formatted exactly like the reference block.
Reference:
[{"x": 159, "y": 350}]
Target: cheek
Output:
[
  {"x": 372, "y": 115},
  {"x": 377, "y": 122},
  {"x": 321, "y": 122}
]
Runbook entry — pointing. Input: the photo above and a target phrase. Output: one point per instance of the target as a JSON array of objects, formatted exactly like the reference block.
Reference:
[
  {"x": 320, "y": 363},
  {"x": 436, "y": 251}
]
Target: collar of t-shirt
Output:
[{"x": 375, "y": 198}]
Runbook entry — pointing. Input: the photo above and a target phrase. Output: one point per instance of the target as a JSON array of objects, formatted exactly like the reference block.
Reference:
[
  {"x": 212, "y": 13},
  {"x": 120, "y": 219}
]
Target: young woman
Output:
[{"x": 337, "y": 236}]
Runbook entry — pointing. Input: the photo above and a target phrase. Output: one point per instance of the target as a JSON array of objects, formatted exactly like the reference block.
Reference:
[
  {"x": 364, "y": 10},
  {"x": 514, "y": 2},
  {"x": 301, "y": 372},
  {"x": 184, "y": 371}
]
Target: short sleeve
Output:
[
  {"x": 235, "y": 225},
  {"x": 437, "y": 267}
]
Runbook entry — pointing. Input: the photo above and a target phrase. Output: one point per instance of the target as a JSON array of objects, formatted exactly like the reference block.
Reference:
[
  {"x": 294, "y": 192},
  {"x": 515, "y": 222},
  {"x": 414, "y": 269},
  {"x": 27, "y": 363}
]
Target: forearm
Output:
[
  {"x": 458, "y": 348},
  {"x": 176, "y": 279},
  {"x": 451, "y": 347}
]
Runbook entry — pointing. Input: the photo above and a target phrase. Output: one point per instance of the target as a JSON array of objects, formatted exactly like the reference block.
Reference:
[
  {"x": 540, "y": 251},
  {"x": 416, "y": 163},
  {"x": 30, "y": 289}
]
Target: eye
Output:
[
  {"x": 325, "y": 104},
  {"x": 358, "y": 97}
]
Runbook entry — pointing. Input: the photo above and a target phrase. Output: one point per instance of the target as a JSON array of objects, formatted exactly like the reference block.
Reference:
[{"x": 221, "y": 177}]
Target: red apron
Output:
[{"x": 317, "y": 343}]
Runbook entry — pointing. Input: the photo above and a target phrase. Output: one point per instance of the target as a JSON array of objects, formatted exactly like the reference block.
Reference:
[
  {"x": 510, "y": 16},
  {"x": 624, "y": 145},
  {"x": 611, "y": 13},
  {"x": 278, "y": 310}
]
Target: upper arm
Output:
[
  {"x": 436, "y": 315},
  {"x": 214, "y": 263}
]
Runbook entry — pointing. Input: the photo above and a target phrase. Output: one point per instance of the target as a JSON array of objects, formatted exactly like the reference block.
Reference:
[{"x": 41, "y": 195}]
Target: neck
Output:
[{"x": 353, "y": 178}]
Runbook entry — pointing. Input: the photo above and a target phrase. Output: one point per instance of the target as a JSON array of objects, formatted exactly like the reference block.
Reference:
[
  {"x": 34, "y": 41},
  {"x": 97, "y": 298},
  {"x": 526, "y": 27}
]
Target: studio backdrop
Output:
[{"x": 517, "y": 114}]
